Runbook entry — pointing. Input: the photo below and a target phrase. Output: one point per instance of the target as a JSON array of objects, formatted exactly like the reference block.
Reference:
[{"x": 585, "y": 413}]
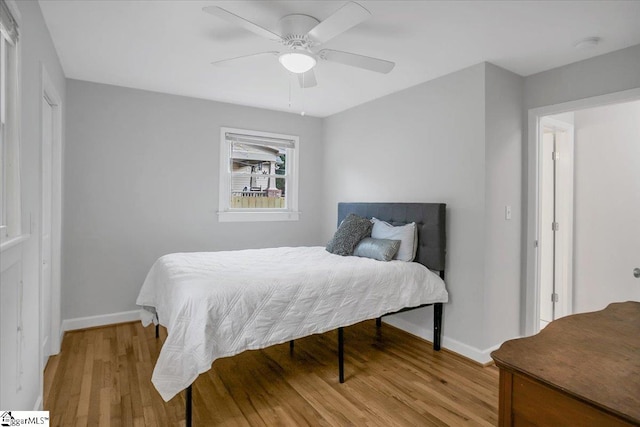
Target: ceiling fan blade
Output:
[
  {"x": 247, "y": 25},
  {"x": 360, "y": 61},
  {"x": 273, "y": 52},
  {"x": 307, "y": 79},
  {"x": 349, "y": 15}
]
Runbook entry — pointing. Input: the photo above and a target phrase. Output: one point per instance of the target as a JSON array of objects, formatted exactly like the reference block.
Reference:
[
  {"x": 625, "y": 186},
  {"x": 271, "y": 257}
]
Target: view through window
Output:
[{"x": 260, "y": 174}]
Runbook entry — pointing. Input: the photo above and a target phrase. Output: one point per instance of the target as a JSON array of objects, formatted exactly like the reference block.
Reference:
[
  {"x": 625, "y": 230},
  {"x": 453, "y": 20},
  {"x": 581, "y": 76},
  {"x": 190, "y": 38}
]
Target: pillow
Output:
[
  {"x": 353, "y": 229},
  {"x": 380, "y": 249},
  {"x": 407, "y": 234}
]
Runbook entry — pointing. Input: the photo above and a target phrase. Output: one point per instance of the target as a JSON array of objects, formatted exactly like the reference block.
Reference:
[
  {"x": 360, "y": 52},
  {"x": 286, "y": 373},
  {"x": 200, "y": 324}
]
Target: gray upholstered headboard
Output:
[{"x": 429, "y": 217}]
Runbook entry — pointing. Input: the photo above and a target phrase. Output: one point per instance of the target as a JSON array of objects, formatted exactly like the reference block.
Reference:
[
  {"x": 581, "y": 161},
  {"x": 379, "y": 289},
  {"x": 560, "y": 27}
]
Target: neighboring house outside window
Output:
[
  {"x": 9, "y": 126},
  {"x": 258, "y": 176}
]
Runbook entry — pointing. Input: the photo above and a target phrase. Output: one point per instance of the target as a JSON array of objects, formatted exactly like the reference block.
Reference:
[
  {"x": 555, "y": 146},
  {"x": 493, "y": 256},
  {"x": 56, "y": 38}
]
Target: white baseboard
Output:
[
  {"x": 475, "y": 354},
  {"x": 100, "y": 320},
  {"x": 38, "y": 404},
  {"x": 481, "y": 356},
  {"x": 58, "y": 344}
]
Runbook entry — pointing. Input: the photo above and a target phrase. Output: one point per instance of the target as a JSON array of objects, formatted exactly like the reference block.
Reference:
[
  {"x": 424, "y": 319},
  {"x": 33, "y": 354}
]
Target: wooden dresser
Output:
[{"x": 581, "y": 370}]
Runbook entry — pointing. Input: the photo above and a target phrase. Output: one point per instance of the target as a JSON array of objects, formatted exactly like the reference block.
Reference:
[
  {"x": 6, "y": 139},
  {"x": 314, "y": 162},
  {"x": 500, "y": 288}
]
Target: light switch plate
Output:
[{"x": 507, "y": 212}]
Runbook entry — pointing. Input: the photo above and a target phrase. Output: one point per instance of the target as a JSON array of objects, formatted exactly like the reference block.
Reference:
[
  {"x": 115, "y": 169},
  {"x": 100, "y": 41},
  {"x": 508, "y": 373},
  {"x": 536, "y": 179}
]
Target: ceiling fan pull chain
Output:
[
  {"x": 302, "y": 96},
  {"x": 290, "y": 76}
]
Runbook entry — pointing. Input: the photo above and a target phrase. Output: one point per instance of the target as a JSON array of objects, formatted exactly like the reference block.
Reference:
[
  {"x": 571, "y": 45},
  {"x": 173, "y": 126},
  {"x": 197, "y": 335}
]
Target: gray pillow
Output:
[
  {"x": 353, "y": 229},
  {"x": 380, "y": 249}
]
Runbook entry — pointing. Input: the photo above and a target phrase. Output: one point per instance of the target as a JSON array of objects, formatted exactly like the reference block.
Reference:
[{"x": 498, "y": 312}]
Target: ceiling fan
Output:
[{"x": 301, "y": 35}]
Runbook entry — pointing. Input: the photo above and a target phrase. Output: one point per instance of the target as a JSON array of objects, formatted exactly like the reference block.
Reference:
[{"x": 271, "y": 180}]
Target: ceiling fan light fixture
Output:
[{"x": 297, "y": 61}]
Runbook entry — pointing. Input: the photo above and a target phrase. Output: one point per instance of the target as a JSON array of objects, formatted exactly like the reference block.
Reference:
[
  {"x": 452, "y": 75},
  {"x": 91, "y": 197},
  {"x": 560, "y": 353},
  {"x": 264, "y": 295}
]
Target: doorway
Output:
[{"x": 605, "y": 248}]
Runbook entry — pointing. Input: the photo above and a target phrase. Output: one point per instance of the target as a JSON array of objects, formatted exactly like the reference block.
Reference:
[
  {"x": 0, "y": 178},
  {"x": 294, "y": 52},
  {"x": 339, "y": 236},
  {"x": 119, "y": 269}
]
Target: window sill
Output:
[
  {"x": 13, "y": 241},
  {"x": 257, "y": 216}
]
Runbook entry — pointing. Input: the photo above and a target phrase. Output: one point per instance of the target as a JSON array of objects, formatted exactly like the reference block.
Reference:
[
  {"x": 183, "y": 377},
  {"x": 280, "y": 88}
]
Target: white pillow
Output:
[{"x": 407, "y": 234}]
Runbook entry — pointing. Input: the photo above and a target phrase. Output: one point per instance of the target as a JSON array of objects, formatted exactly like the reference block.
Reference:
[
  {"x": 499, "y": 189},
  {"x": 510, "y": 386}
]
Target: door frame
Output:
[
  {"x": 50, "y": 94},
  {"x": 532, "y": 291}
]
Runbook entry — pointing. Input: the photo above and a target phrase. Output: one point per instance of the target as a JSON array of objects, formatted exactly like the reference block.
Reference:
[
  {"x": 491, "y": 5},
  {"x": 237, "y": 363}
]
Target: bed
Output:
[{"x": 218, "y": 304}]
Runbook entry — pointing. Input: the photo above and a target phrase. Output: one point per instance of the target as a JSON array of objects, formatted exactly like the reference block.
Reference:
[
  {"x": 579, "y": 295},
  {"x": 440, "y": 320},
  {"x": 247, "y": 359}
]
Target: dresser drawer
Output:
[{"x": 534, "y": 403}]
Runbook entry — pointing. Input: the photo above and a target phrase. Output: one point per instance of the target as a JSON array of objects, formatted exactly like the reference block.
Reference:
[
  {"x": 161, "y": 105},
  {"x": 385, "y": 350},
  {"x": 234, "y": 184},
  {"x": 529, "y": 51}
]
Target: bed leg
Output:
[
  {"x": 437, "y": 325},
  {"x": 188, "y": 405},
  {"x": 341, "y": 355},
  {"x": 158, "y": 330},
  {"x": 291, "y": 346},
  {"x": 379, "y": 322}
]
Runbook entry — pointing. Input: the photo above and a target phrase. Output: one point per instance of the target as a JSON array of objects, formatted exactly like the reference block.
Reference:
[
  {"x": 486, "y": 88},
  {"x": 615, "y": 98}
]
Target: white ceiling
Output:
[{"x": 167, "y": 46}]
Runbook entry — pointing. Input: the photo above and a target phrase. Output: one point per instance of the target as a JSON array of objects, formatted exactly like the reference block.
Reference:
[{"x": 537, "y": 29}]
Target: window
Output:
[
  {"x": 9, "y": 126},
  {"x": 258, "y": 176}
]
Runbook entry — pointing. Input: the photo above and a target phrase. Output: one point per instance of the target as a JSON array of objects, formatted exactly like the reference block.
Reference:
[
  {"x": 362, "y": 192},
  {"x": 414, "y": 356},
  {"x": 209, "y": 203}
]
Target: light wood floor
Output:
[{"x": 102, "y": 378}]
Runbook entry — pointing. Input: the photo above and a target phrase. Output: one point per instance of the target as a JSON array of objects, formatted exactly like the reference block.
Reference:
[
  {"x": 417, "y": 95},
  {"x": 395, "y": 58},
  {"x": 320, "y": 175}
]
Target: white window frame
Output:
[
  {"x": 10, "y": 109},
  {"x": 3, "y": 149},
  {"x": 228, "y": 214}
]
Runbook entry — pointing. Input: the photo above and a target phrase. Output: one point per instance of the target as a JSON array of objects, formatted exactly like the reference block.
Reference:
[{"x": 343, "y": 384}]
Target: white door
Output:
[
  {"x": 547, "y": 235},
  {"x": 556, "y": 219},
  {"x": 607, "y": 220},
  {"x": 46, "y": 227}
]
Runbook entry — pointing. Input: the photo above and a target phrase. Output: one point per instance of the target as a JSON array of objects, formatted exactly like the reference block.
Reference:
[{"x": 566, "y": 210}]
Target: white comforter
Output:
[{"x": 217, "y": 304}]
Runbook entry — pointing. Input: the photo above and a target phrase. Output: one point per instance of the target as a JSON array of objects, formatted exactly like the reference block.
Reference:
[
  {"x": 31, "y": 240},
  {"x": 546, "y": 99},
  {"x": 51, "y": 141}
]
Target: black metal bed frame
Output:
[
  {"x": 343, "y": 209},
  {"x": 437, "y": 326}
]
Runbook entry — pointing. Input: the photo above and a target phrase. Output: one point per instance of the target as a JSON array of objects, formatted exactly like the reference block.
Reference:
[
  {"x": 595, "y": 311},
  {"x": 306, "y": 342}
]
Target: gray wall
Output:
[
  {"x": 503, "y": 166},
  {"x": 423, "y": 144},
  {"x": 612, "y": 72},
  {"x": 141, "y": 180},
  {"x": 458, "y": 140},
  {"x": 37, "y": 51}
]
